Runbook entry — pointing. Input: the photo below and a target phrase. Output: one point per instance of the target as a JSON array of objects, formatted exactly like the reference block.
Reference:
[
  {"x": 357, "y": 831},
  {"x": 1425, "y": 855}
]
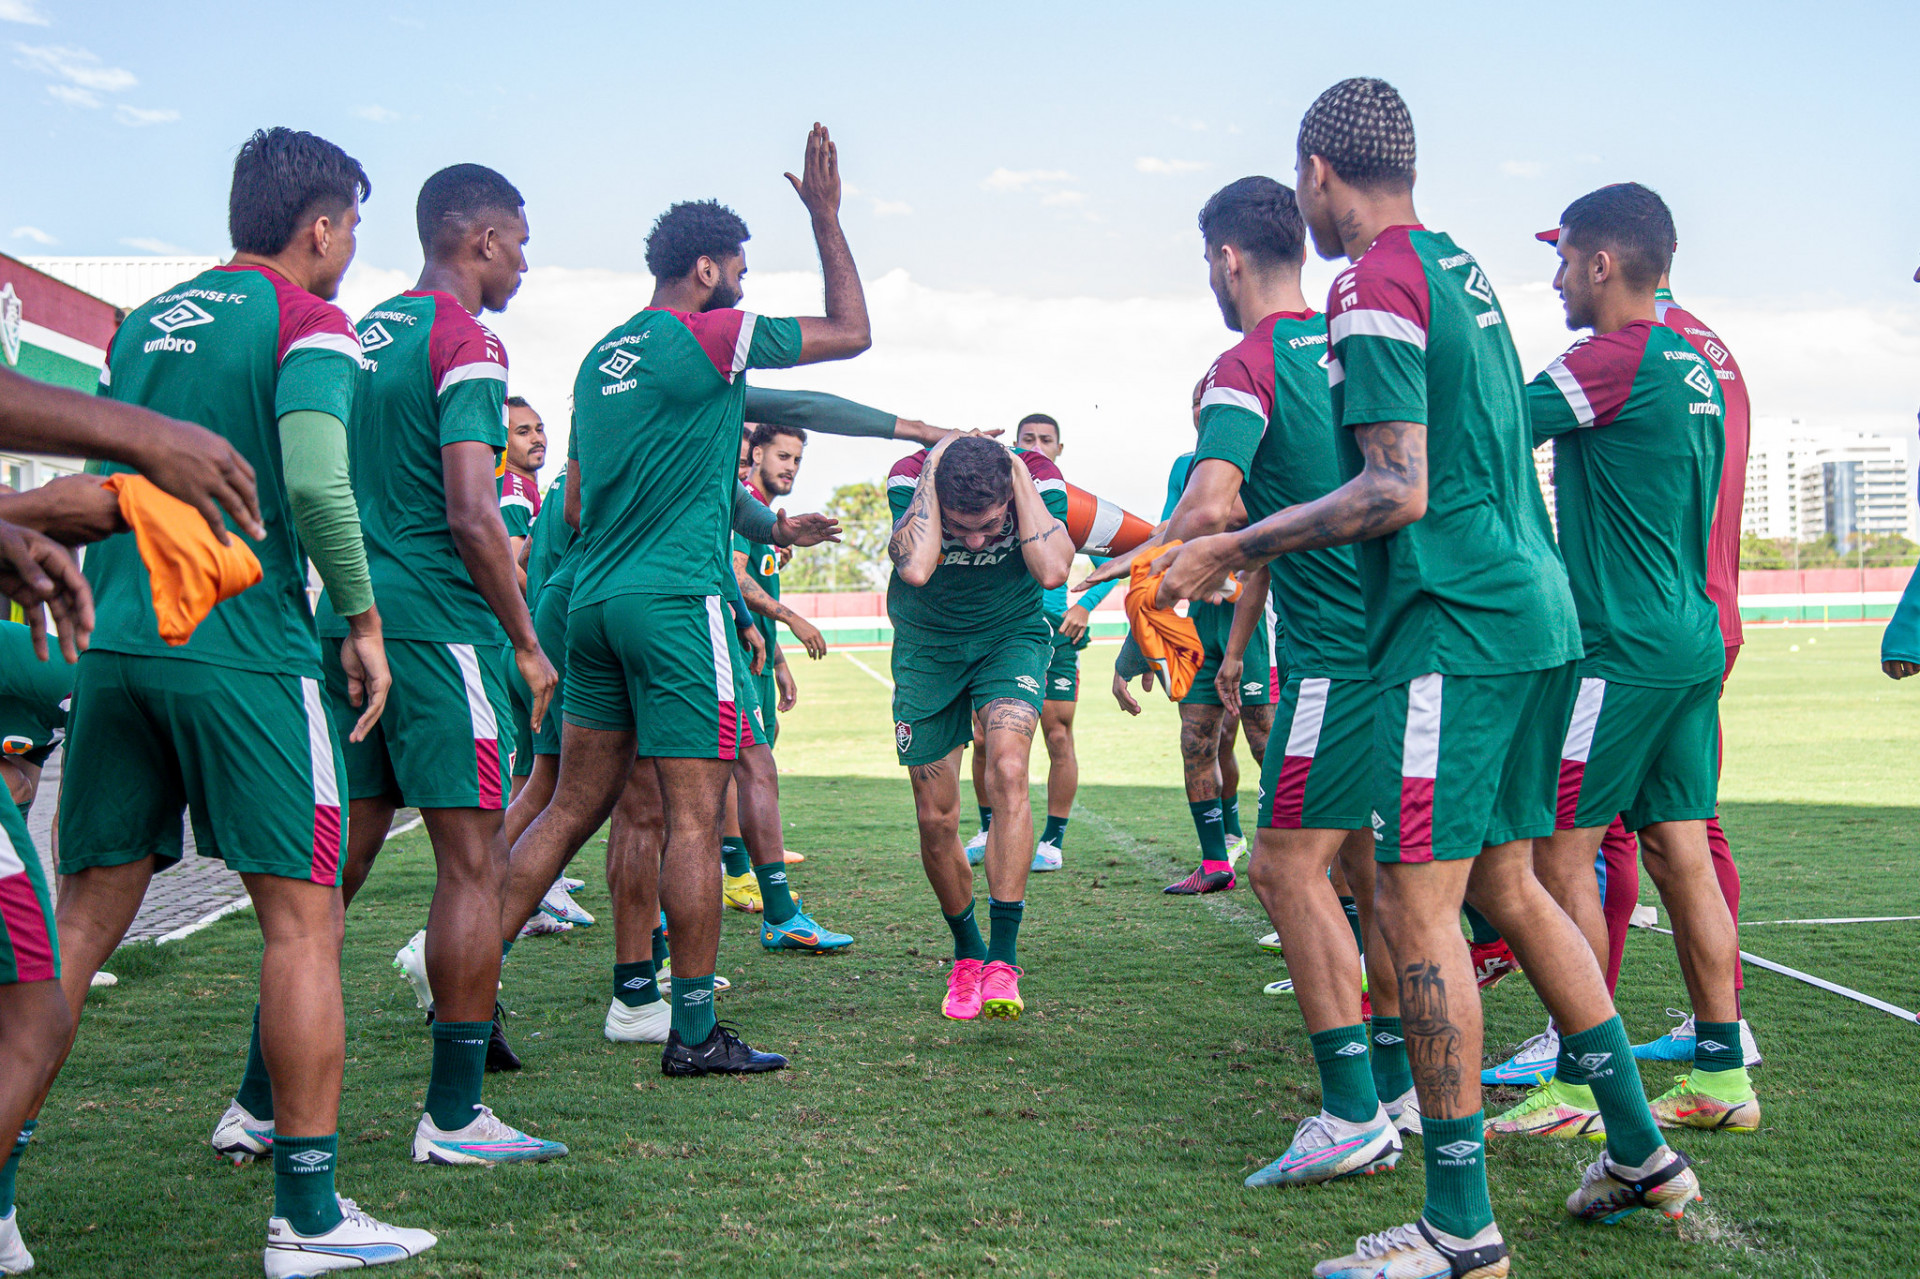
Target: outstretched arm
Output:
[
  {"x": 843, "y": 332},
  {"x": 764, "y": 604}
]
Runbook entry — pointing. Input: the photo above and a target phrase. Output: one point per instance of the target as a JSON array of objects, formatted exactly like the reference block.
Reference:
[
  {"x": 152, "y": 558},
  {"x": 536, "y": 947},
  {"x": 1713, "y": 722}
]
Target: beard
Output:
[{"x": 724, "y": 295}]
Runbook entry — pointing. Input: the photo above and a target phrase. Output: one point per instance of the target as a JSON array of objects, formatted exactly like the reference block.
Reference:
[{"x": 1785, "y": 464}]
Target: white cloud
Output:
[
  {"x": 1021, "y": 179},
  {"x": 377, "y": 114},
  {"x": 1154, "y": 164},
  {"x": 1522, "y": 168},
  {"x": 890, "y": 208},
  {"x": 23, "y": 11},
  {"x": 73, "y": 97},
  {"x": 33, "y": 233},
  {"x": 160, "y": 248},
  {"x": 1063, "y": 199},
  {"x": 136, "y": 117},
  {"x": 76, "y": 66}
]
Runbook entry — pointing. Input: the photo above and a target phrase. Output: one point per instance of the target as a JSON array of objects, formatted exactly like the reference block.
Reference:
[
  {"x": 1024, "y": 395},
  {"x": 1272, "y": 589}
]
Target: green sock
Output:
[
  {"x": 459, "y": 1064},
  {"x": 303, "y": 1185},
  {"x": 733, "y": 856},
  {"x": 660, "y": 956},
  {"x": 776, "y": 903},
  {"x": 1230, "y": 814},
  {"x": 1346, "y": 1083},
  {"x": 1352, "y": 909},
  {"x": 967, "y": 942},
  {"x": 1056, "y": 831},
  {"x": 1610, "y": 1071},
  {"x": 634, "y": 984},
  {"x": 1483, "y": 931},
  {"x": 1004, "y": 919},
  {"x": 986, "y": 819},
  {"x": 12, "y": 1165},
  {"x": 1716, "y": 1046},
  {"x": 693, "y": 1008},
  {"x": 256, "y": 1090},
  {"x": 1209, "y": 822},
  {"x": 506, "y": 948},
  {"x": 1456, "y": 1157},
  {"x": 1392, "y": 1075}
]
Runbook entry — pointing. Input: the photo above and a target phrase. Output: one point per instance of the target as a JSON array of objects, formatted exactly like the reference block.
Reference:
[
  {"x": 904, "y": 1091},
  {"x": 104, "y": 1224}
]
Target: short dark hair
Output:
[
  {"x": 282, "y": 177},
  {"x": 689, "y": 231},
  {"x": 763, "y": 433},
  {"x": 1628, "y": 220},
  {"x": 975, "y": 474},
  {"x": 520, "y": 402},
  {"x": 453, "y": 198},
  {"x": 1363, "y": 129},
  {"x": 1038, "y": 417},
  {"x": 1258, "y": 217}
]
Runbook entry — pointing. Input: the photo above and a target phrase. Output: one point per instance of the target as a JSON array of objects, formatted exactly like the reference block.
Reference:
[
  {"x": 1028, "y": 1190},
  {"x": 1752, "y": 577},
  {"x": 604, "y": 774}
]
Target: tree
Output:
[{"x": 858, "y": 562}]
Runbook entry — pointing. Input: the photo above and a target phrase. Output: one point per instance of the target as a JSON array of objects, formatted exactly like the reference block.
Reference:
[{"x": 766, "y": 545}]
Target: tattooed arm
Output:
[
  {"x": 1044, "y": 543},
  {"x": 1389, "y": 493}
]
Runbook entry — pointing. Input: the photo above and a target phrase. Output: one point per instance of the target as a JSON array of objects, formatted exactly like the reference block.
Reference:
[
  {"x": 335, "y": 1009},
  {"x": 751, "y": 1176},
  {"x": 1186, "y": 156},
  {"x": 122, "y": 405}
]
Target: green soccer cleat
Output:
[
  {"x": 1731, "y": 1106},
  {"x": 1552, "y": 1109}
]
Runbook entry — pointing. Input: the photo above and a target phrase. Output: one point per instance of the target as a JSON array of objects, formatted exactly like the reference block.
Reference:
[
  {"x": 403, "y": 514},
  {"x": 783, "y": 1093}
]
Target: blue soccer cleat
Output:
[{"x": 802, "y": 933}]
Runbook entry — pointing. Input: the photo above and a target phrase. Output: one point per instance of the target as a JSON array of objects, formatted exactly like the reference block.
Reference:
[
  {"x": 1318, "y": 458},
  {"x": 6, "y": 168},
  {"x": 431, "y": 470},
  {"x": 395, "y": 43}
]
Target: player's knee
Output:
[{"x": 1006, "y": 779}]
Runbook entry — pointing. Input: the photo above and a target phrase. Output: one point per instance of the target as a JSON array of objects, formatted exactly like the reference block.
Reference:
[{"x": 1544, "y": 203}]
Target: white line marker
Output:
[
  {"x": 868, "y": 669},
  {"x": 1902, "y": 1013},
  {"x": 207, "y": 920}
]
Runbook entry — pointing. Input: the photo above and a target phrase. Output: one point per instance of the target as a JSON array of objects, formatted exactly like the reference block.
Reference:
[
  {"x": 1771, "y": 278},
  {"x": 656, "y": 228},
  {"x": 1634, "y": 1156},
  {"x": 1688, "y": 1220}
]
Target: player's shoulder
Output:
[
  {"x": 307, "y": 322},
  {"x": 906, "y": 472},
  {"x": 1042, "y": 468},
  {"x": 1700, "y": 336},
  {"x": 1618, "y": 355},
  {"x": 459, "y": 346},
  {"x": 724, "y": 335},
  {"x": 1389, "y": 279}
]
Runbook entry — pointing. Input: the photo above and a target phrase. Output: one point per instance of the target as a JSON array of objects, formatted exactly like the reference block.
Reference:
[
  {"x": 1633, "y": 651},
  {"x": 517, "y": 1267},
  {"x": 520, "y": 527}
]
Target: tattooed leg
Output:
[
  {"x": 1418, "y": 907},
  {"x": 1011, "y": 724},
  {"x": 1200, "y": 751},
  {"x": 936, "y": 807}
]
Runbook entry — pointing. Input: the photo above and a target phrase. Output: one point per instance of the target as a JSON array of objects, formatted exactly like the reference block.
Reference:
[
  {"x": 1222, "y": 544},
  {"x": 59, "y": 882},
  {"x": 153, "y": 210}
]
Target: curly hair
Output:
[
  {"x": 1363, "y": 129},
  {"x": 975, "y": 475},
  {"x": 689, "y": 231},
  {"x": 1258, "y": 217}
]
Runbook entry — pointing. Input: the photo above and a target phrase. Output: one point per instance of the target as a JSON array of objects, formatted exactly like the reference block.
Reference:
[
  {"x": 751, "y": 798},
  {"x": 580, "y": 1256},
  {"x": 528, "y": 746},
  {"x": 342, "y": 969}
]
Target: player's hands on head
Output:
[
  {"x": 1074, "y": 625},
  {"x": 819, "y": 183},
  {"x": 1899, "y": 669},
  {"x": 810, "y": 638},
  {"x": 1227, "y": 682},
  {"x": 540, "y": 678},
  {"x": 906, "y": 428},
  {"x": 42, "y": 577},
  {"x": 1196, "y": 570},
  {"x": 363, "y": 656},
  {"x": 805, "y": 530},
  {"x": 1123, "y": 695},
  {"x": 204, "y": 471}
]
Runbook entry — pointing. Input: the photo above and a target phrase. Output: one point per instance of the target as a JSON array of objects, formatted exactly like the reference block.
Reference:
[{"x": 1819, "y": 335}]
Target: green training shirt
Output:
[
  {"x": 33, "y": 696},
  {"x": 551, "y": 537}
]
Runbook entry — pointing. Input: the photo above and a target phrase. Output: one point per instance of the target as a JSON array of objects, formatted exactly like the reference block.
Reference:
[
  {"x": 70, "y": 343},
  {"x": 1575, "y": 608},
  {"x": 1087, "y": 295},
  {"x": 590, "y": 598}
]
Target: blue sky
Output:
[{"x": 1018, "y": 153}]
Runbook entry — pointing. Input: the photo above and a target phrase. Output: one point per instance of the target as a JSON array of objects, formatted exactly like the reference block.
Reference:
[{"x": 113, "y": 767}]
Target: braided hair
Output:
[{"x": 1363, "y": 129}]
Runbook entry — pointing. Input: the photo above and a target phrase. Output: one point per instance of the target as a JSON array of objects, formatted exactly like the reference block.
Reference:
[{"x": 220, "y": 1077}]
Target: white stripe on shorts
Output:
[
  {"x": 485, "y": 727},
  {"x": 1420, "y": 752},
  {"x": 717, "y": 622},
  {"x": 326, "y": 782},
  {"x": 1586, "y": 714},
  {"x": 1303, "y": 739}
]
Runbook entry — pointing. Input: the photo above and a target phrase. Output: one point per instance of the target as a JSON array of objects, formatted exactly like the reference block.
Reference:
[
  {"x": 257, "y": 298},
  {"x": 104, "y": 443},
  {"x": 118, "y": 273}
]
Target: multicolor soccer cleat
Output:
[
  {"x": 239, "y": 1137},
  {"x": 1000, "y": 991},
  {"x": 357, "y": 1241},
  {"x": 963, "y": 991},
  {"x": 1237, "y": 847},
  {"x": 1688, "y": 1105},
  {"x": 487, "y": 1140},
  {"x": 1678, "y": 1044},
  {"x": 1270, "y": 943},
  {"x": 801, "y": 933},
  {"x": 1404, "y": 1110},
  {"x": 541, "y": 924},
  {"x": 559, "y": 904},
  {"x": 1046, "y": 857},
  {"x": 1326, "y": 1148},
  {"x": 1552, "y": 1109},
  {"x": 1610, "y": 1192},
  {"x": 1419, "y": 1251},
  {"x": 411, "y": 961},
  {"x": 1533, "y": 1062},
  {"x": 1493, "y": 963},
  {"x": 1202, "y": 881},
  {"x": 977, "y": 849},
  {"x": 741, "y": 892}
]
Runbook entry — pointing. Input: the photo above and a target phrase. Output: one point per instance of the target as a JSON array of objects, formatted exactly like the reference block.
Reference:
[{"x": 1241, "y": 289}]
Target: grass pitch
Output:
[{"x": 1104, "y": 1134}]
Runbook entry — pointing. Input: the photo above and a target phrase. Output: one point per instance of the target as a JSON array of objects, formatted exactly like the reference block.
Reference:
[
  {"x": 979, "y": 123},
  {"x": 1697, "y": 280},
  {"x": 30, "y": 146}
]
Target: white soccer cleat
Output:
[
  {"x": 357, "y": 1241},
  {"x": 1404, "y": 1110},
  {"x": 240, "y": 1137},
  {"x": 1418, "y": 1251},
  {"x": 977, "y": 849},
  {"x": 411, "y": 960},
  {"x": 560, "y": 905},
  {"x": 646, "y": 1024},
  {"x": 571, "y": 884},
  {"x": 1270, "y": 943},
  {"x": 487, "y": 1140},
  {"x": 541, "y": 924},
  {"x": 1046, "y": 857},
  {"x": 14, "y": 1257},
  {"x": 101, "y": 979},
  {"x": 1237, "y": 847}
]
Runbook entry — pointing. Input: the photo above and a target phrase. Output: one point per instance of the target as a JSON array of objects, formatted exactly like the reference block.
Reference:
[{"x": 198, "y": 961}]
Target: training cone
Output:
[{"x": 1100, "y": 527}]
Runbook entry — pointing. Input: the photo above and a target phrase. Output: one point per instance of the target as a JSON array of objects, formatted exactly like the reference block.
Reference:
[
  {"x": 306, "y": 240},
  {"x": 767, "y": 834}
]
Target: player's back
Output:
[
  {"x": 550, "y": 537},
  {"x": 1634, "y": 416},
  {"x": 658, "y": 405},
  {"x": 233, "y": 349},
  {"x": 435, "y": 376},
  {"x": 1723, "y": 550},
  {"x": 1475, "y": 587}
]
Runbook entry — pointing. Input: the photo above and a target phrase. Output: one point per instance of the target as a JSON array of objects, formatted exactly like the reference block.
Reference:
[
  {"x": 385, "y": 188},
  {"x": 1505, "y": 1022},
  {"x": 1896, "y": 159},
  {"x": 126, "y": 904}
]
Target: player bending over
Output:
[{"x": 976, "y": 540}]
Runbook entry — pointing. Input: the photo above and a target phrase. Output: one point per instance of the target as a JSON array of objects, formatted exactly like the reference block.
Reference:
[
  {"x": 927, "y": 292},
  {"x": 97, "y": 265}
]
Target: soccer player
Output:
[
  {"x": 1632, "y": 412},
  {"x": 976, "y": 540},
  {"x": 423, "y": 454},
  {"x": 651, "y": 663},
  {"x": 1040, "y": 433},
  {"x": 520, "y": 479},
  {"x": 1266, "y": 439},
  {"x": 1472, "y": 640},
  {"x": 231, "y": 725}
]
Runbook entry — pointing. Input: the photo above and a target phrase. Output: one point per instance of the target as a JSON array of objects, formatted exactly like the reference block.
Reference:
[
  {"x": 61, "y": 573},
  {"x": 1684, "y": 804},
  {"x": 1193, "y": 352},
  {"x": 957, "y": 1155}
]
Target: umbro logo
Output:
[
  {"x": 1387, "y": 1039},
  {"x": 637, "y": 983},
  {"x": 310, "y": 1158},
  {"x": 697, "y": 997},
  {"x": 777, "y": 877},
  {"x": 1352, "y": 1050},
  {"x": 1063, "y": 682},
  {"x": 1699, "y": 379},
  {"x": 1250, "y": 688},
  {"x": 1459, "y": 1149},
  {"x": 375, "y": 336},
  {"x": 1029, "y": 683},
  {"x": 1211, "y": 815},
  {"x": 1478, "y": 286},
  {"x": 1716, "y": 353},
  {"x": 1711, "y": 1046},
  {"x": 616, "y": 365},
  {"x": 181, "y": 315},
  {"x": 1593, "y": 1061},
  {"x": 1379, "y": 827}
]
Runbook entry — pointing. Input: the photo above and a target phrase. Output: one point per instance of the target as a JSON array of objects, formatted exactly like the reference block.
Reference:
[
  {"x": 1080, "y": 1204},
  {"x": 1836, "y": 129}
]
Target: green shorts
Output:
[
  {"x": 550, "y": 628},
  {"x": 29, "y": 942},
  {"x": 767, "y": 692},
  {"x": 520, "y": 712},
  {"x": 667, "y": 668},
  {"x": 251, "y": 755},
  {"x": 1063, "y": 667},
  {"x": 440, "y": 742},
  {"x": 1647, "y": 754},
  {"x": 1465, "y": 762},
  {"x": 1318, "y": 771},
  {"x": 938, "y": 687},
  {"x": 1215, "y": 624}
]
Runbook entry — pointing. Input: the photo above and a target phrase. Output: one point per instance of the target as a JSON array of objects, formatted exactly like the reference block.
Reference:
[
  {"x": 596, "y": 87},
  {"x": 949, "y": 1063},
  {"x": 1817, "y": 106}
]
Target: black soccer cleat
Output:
[
  {"x": 722, "y": 1053},
  {"x": 500, "y": 1054},
  {"x": 1201, "y": 881}
]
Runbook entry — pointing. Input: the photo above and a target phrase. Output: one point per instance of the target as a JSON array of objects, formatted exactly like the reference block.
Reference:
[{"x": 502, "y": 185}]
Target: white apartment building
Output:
[{"x": 1805, "y": 481}]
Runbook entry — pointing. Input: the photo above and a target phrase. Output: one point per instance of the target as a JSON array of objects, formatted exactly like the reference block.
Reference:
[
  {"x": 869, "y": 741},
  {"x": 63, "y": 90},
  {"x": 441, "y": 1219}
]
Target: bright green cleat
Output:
[
  {"x": 1553, "y": 1109},
  {"x": 1702, "y": 1100}
]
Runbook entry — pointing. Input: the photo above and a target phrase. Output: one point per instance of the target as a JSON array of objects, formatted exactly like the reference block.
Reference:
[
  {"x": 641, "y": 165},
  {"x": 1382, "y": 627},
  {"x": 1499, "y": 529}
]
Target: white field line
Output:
[
  {"x": 1822, "y": 983},
  {"x": 207, "y": 920},
  {"x": 868, "y": 669},
  {"x": 1857, "y": 919}
]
